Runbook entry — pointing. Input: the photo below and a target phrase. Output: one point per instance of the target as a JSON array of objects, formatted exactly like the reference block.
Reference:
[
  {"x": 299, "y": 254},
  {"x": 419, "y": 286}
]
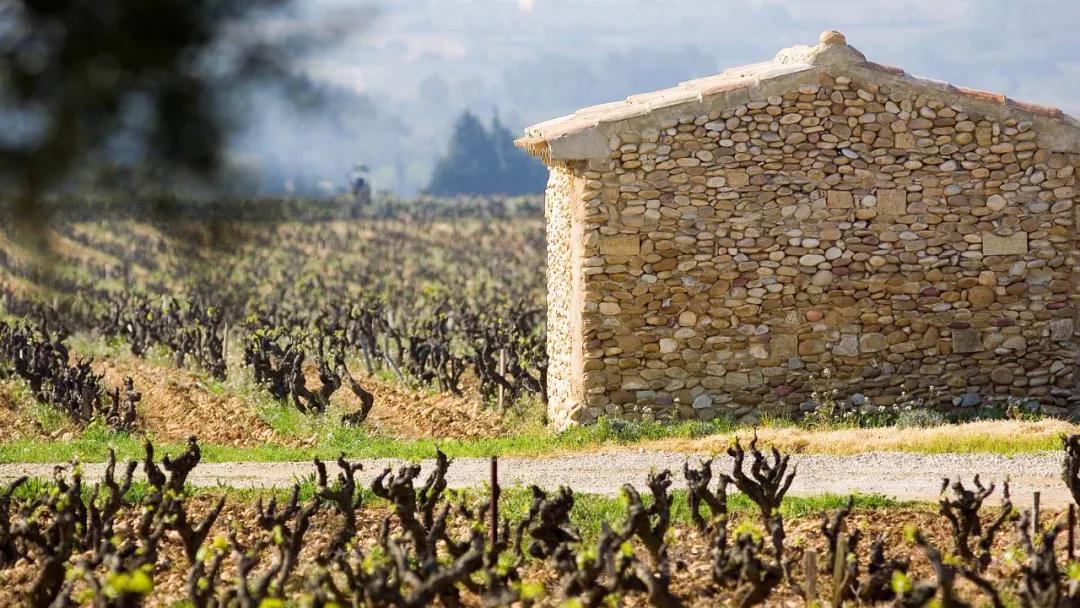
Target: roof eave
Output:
[{"x": 585, "y": 134}]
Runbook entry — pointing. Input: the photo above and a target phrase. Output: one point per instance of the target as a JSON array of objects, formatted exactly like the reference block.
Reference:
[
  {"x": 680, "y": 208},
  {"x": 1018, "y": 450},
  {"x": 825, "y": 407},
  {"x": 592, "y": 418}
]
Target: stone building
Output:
[{"x": 713, "y": 245}]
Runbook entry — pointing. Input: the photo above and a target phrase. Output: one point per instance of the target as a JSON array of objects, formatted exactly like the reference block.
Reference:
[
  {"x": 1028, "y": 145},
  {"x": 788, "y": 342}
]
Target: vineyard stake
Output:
[
  {"x": 810, "y": 566},
  {"x": 495, "y": 491},
  {"x": 1035, "y": 513},
  {"x": 1071, "y": 536},
  {"x": 838, "y": 566},
  {"x": 502, "y": 372}
]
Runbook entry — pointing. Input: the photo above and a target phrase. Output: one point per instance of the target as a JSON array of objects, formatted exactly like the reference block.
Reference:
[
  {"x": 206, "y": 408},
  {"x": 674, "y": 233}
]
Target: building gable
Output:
[{"x": 585, "y": 134}]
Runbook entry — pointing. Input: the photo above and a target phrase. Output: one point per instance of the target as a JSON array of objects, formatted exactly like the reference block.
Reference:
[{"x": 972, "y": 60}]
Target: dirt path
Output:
[{"x": 899, "y": 475}]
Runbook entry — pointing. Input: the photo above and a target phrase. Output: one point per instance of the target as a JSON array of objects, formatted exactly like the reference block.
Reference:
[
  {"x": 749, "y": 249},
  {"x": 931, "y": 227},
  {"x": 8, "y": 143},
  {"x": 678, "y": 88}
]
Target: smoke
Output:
[{"x": 310, "y": 147}]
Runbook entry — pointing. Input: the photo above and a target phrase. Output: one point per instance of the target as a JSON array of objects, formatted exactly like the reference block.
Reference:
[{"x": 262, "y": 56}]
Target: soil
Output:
[
  {"x": 177, "y": 403},
  {"x": 690, "y": 552},
  {"x": 400, "y": 411}
]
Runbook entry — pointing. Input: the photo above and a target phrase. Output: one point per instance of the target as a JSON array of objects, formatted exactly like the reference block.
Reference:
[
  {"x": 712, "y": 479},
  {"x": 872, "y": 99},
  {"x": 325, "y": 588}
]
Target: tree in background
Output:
[{"x": 485, "y": 161}]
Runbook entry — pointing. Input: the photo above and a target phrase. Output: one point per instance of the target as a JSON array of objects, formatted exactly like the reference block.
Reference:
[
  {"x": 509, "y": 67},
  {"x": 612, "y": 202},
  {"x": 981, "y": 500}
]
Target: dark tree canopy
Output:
[
  {"x": 485, "y": 161},
  {"x": 148, "y": 81}
]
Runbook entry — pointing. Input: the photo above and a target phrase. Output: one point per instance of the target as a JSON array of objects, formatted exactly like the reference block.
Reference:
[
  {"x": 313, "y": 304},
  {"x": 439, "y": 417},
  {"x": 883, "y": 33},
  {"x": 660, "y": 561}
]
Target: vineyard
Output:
[
  {"x": 727, "y": 539},
  {"x": 343, "y": 328},
  {"x": 416, "y": 320}
]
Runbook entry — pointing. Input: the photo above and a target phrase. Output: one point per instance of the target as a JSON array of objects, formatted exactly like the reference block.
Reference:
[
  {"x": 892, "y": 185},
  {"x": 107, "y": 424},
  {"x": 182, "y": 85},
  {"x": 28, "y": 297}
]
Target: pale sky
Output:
[{"x": 424, "y": 61}]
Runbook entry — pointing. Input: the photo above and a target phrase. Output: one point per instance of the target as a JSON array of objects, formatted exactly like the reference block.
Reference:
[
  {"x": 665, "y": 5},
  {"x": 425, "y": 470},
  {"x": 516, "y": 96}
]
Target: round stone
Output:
[
  {"x": 832, "y": 38},
  {"x": 872, "y": 342},
  {"x": 822, "y": 278},
  {"x": 968, "y": 400},
  {"x": 981, "y": 296},
  {"x": 814, "y": 315},
  {"x": 1001, "y": 375},
  {"x": 811, "y": 259},
  {"x": 687, "y": 318},
  {"x": 609, "y": 308},
  {"x": 667, "y": 345},
  {"x": 996, "y": 202}
]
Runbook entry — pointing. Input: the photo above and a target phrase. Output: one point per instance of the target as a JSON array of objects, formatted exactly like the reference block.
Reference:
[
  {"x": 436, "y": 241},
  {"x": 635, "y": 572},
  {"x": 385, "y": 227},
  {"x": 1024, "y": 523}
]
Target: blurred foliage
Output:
[{"x": 142, "y": 87}]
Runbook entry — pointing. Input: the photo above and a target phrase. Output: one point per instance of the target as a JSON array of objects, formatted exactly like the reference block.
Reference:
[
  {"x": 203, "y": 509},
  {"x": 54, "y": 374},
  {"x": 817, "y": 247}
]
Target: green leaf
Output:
[{"x": 901, "y": 584}]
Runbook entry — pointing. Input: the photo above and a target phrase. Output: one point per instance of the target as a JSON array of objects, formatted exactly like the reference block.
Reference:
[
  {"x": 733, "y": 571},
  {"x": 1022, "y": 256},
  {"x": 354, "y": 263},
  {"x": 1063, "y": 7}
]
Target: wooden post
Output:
[
  {"x": 495, "y": 491},
  {"x": 1071, "y": 536},
  {"x": 1035, "y": 528},
  {"x": 810, "y": 566},
  {"x": 838, "y": 566},
  {"x": 1076, "y": 329},
  {"x": 225, "y": 345},
  {"x": 502, "y": 372}
]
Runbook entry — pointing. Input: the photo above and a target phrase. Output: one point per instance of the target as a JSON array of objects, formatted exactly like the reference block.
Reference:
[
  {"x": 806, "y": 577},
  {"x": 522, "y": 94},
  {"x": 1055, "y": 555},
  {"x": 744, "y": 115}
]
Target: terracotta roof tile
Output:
[
  {"x": 664, "y": 97},
  {"x": 981, "y": 95},
  {"x": 1036, "y": 108},
  {"x": 884, "y": 68},
  {"x": 832, "y": 58},
  {"x": 722, "y": 85}
]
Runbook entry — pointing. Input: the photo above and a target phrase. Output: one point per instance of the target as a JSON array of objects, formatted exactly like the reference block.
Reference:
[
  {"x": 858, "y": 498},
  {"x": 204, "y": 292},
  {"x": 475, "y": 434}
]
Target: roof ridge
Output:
[{"x": 575, "y": 137}]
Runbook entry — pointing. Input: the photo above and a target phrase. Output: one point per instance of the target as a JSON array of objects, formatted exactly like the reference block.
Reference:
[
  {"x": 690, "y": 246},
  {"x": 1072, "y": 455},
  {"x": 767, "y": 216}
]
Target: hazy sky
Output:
[
  {"x": 424, "y": 61},
  {"x": 1025, "y": 48}
]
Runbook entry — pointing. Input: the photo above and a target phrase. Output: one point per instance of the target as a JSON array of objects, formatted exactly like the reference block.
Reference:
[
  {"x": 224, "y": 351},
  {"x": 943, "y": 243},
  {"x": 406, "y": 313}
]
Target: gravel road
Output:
[{"x": 899, "y": 475}]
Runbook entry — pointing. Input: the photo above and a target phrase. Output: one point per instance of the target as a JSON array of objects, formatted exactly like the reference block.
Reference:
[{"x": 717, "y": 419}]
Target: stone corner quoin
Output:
[{"x": 712, "y": 246}]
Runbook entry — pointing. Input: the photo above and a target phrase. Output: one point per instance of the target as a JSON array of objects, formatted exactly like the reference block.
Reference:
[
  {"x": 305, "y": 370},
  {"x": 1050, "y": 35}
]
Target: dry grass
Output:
[{"x": 992, "y": 436}]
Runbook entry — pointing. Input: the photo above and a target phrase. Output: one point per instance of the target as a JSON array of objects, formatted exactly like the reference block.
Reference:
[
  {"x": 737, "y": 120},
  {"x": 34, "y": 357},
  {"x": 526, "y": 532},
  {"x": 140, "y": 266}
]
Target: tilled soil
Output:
[
  {"x": 177, "y": 403},
  {"x": 904, "y": 476},
  {"x": 400, "y": 411},
  {"x": 690, "y": 552}
]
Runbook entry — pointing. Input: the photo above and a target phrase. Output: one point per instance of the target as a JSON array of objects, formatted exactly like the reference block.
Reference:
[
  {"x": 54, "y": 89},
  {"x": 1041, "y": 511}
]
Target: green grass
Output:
[
  {"x": 327, "y": 437},
  {"x": 48, "y": 418},
  {"x": 963, "y": 443},
  {"x": 333, "y": 439},
  {"x": 36, "y": 486},
  {"x": 592, "y": 510},
  {"x": 99, "y": 348},
  {"x": 589, "y": 513}
]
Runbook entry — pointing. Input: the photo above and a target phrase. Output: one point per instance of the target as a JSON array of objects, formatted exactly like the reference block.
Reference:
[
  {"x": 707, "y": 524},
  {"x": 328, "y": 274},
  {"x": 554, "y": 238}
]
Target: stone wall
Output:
[
  {"x": 893, "y": 239},
  {"x": 563, "y": 300}
]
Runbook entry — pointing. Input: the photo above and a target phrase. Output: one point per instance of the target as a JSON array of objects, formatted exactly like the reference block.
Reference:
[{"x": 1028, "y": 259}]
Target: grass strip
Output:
[
  {"x": 987, "y": 437},
  {"x": 94, "y": 443},
  {"x": 589, "y": 513}
]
